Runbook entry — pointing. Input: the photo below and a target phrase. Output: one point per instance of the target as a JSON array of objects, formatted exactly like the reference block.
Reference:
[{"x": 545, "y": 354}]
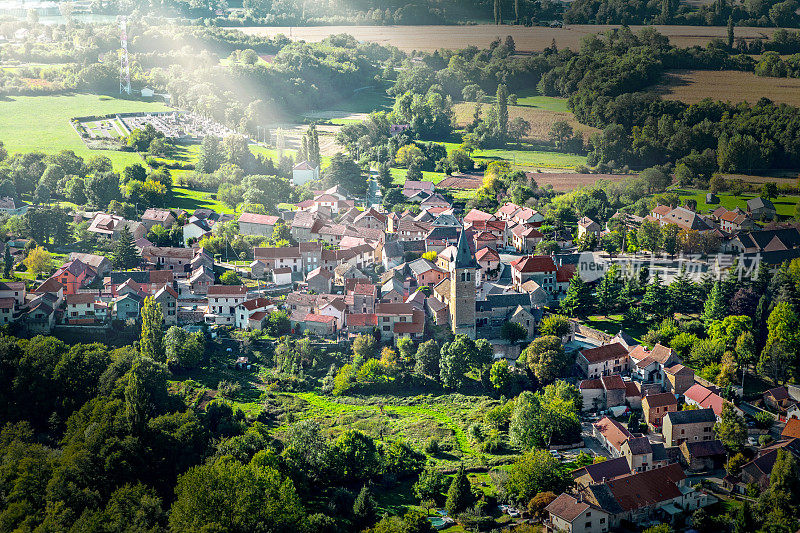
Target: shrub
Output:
[
  {"x": 229, "y": 389},
  {"x": 432, "y": 446}
]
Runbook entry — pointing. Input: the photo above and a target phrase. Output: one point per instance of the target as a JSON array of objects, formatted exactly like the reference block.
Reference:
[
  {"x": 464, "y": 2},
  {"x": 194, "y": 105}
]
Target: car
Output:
[
  {"x": 752, "y": 441},
  {"x": 555, "y": 454}
]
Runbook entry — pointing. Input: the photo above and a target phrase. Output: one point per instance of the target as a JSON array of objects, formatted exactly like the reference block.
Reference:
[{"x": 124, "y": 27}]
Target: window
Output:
[
  {"x": 588, "y": 524},
  {"x": 588, "y": 514}
]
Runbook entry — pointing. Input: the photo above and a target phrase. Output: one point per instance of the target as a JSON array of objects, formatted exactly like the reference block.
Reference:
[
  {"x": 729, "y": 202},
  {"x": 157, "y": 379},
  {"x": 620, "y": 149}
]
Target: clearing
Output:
[
  {"x": 541, "y": 111},
  {"x": 430, "y": 38},
  {"x": 51, "y": 130},
  {"x": 784, "y": 204},
  {"x": 568, "y": 181},
  {"x": 691, "y": 86}
]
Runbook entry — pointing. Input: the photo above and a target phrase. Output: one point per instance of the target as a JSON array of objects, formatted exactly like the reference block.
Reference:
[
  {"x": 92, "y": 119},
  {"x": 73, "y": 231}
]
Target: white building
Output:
[
  {"x": 222, "y": 303},
  {"x": 303, "y": 172}
]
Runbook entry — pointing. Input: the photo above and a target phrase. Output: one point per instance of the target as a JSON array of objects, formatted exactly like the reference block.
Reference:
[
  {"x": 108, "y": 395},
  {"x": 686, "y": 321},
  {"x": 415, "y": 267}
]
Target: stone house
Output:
[{"x": 694, "y": 425}]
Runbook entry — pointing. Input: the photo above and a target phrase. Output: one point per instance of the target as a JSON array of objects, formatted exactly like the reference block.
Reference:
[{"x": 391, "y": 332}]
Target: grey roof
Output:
[
  {"x": 758, "y": 203},
  {"x": 508, "y": 300},
  {"x": 464, "y": 257},
  {"x": 443, "y": 233},
  {"x": 392, "y": 285},
  {"x": 446, "y": 219},
  {"x": 139, "y": 276},
  {"x": 603, "y": 470},
  {"x": 659, "y": 451},
  {"x": 605, "y": 498},
  {"x": 692, "y": 416},
  {"x": 420, "y": 266}
]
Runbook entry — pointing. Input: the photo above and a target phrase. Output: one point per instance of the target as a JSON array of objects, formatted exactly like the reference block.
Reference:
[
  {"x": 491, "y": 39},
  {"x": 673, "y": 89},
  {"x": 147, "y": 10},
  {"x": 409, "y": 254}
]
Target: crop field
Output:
[
  {"x": 691, "y": 86},
  {"x": 567, "y": 181},
  {"x": 429, "y": 38},
  {"x": 784, "y": 204},
  {"x": 541, "y": 115},
  {"x": 29, "y": 123}
]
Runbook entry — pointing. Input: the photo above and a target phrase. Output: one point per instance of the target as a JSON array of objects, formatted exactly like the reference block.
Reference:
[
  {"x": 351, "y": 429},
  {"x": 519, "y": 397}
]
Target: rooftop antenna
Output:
[{"x": 124, "y": 67}]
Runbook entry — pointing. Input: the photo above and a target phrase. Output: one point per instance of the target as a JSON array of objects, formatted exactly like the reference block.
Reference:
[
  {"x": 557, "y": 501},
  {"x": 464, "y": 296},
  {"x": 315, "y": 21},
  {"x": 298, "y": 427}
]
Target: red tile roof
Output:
[
  {"x": 792, "y": 429},
  {"x": 661, "y": 399},
  {"x": 254, "y": 218},
  {"x": 604, "y": 353},
  {"x": 614, "y": 432},
  {"x": 324, "y": 319},
  {"x": 613, "y": 382},
  {"x": 567, "y": 507},
  {"x": 644, "y": 489},
  {"x": 362, "y": 319},
  {"x": 238, "y": 290},
  {"x": 534, "y": 263}
]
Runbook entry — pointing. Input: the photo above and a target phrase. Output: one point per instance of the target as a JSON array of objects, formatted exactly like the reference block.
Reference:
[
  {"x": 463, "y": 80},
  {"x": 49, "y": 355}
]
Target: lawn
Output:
[
  {"x": 784, "y": 204},
  {"x": 545, "y": 103},
  {"x": 399, "y": 176},
  {"x": 527, "y": 157},
  {"x": 190, "y": 200},
  {"x": 612, "y": 324},
  {"x": 29, "y": 123}
]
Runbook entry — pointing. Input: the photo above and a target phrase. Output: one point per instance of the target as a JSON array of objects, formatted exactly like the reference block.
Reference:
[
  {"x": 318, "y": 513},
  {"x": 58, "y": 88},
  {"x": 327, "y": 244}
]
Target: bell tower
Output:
[{"x": 462, "y": 289}]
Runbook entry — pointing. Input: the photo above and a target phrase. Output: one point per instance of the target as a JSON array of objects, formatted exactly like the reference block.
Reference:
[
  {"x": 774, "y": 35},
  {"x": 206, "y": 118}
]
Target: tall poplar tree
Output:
[{"x": 151, "y": 343}]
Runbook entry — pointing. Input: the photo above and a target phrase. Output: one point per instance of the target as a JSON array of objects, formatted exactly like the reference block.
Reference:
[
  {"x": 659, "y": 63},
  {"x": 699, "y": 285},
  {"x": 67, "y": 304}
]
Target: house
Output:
[
  {"x": 99, "y": 263},
  {"x": 319, "y": 280},
  {"x": 201, "y": 279},
  {"x": 74, "y": 275},
  {"x": 573, "y": 515},
  {"x": 168, "y": 298},
  {"x": 603, "y": 360},
  {"x": 678, "y": 378},
  {"x": 181, "y": 261},
  {"x": 268, "y": 259},
  {"x": 222, "y": 303},
  {"x": 195, "y": 229},
  {"x": 602, "y": 393},
  {"x": 84, "y": 308},
  {"x": 640, "y": 497},
  {"x": 110, "y": 226},
  {"x": 524, "y": 238},
  {"x": 778, "y": 399},
  {"x": 686, "y": 219},
  {"x": 703, "y": 455},
  {"x": 539, "y": 268},
  {"x": 792, "y": 429},
  {"x": 760, "y": 208},
  {"x": 162, "y": 217},
  {"x": 364, "y": 297},
  {"x": 52, "y": 287},
  {"x": 601, "y": 472},
  {"x": 426, "y": 273},
  {"x": 39, "y": 315},
  {"x": 9, "y": 206},
  {"x": 257, "y": 225},
  {"x": 7, "y": 310},
  {"x": 247, "y": 310},
  {"x": 736, "y": 221},
  {"x": 303, "y": 172},
  {"x": 758, "y": 470},
  {"x": 322, "y": 325},
  {"x": 282, "y": 276},
  {"x": 611, "y": 435},
  {"x": 413, "y": 187},
  {"x": 639, "y": 452},
  {"x": 587, "y": 225},
  {"x": 336, "y": 308},
  {"x": 371, "y": 219},
  {"x": 693, "y": 425},
  {"x": 128, "y": 305},
  {"x": 496, "y": 309},
  {"x": 507, "y": 211},
  {"x": 398, "y": 320},
  {"x": 489, "y": 261},
  {"x": 704, "y": 398},
  {"x": 656, "y": 406}
]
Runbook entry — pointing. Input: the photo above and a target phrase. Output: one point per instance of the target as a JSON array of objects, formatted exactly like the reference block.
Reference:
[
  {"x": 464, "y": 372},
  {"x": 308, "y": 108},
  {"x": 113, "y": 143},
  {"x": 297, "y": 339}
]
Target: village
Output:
[{"x": 348, "y": 269}]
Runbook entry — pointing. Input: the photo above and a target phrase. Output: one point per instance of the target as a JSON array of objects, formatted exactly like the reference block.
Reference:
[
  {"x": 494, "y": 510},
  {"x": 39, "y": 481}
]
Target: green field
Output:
[
  {"x": 527, "y": 158},
  {"x": 546, "y": 103},
  {"x": 784, "y": 204},
  {"x": 29, "y": 123},
  {"x": 399, "y": 176}
]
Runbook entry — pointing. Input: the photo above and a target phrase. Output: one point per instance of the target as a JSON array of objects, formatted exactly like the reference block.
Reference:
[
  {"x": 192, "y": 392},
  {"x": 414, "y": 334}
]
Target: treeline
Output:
[{"x": 781, "y": 13}]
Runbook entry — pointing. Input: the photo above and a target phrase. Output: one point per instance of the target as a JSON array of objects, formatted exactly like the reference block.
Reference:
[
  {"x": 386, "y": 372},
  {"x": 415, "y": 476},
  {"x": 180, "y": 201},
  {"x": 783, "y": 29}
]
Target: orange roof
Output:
[
  {"x": 614, "y": 432},
  {"x": 792, "y": 429},
  {"x": 661, "y": 399},
  {"x": 604, "y": 353}
]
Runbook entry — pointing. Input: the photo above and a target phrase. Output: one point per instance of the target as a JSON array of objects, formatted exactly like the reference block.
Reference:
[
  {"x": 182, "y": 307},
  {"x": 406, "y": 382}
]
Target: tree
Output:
[
  {"x": 579, "y": 300},
  {"x": 559, "y": 133},
  {"x": 513, "y": 332},
  {"x": 769, "y": 190},
  {"x": 500, "y": 376},
  {"x": 408, "y": 155},
  {"x": 125, "y": 255},
  {"x": 384, "y": 176},
  {"x": 278, "y": 323},
  {"x": 556, "y": 325},
  {"x": 455, "y": 361},
  {"x": 151, "y": 342},
  {"x": 38, "y": 261},
  {"x": 102, "y": 188},
  {"x": 779, "y": 355},
  {"x": 655, "y": 299},
  {"x": 365, "y": 347},
  {"x": 716, "y": 306},
  {"x": 546, "y": 358},
  {"x": 145, "y": 391},
  {"x": 8, "y": 261},
  {"x": 364, "y": 508},
  {"x": 731, "y": 429},
  {"x": 230, "y": 277},
  {"x": 345, "y": 172},
  {"x": 730, "y": 33},
  {"x": 182, "y": 348},
  {"x": 535, "y": 472},
  {"x": 226, "y": 495},
  {"x": 459, "y": 495},
  {"x": 649, "y": 235},
  {"x": 427, "y": 359},
  {"x": 785, "y": 475}
]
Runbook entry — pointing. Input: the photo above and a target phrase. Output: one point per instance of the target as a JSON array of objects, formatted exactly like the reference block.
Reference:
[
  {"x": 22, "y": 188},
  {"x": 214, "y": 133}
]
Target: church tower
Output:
[{"x": 462, "y": 289}]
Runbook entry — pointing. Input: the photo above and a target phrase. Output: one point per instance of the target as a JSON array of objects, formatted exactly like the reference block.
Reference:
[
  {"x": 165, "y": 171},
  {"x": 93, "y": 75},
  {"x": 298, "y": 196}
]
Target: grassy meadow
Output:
[
  {"x": 784, "y": 204},
  {"x": 30, "y": 123}
]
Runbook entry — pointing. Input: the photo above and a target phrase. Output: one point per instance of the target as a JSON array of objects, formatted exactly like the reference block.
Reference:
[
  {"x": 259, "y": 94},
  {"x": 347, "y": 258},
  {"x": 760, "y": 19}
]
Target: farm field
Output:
[
  {"x": 691, "y": 86},
  {"x": 784, "y": 204},
  {"x": 567, "y": 181},
  {"x": 409, "y": 38},
  {"x": 541, "y": 115},
  {"x": 51, "y": 130}
]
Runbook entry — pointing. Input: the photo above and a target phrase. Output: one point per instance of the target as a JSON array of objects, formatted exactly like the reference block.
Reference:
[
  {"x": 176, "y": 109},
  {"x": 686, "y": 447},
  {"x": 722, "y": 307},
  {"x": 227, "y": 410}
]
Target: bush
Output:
[
  {"x": 763, "y": 420},
  {"x": 432, "y": 446},
  {"x": 229, "y": 389}
]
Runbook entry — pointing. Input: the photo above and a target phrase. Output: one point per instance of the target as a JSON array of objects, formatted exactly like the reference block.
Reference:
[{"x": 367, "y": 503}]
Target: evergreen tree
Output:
[
  {"x": 579, "y": 300},
  {"x": 384, "y": 176},
  {"x": 716, "y": 306},
  {"x": 498, "y": 18},
  {"x": 125, "y": 255},
  {"x": 730, "y": 32},
  {"x": 211, "y": 155},
  {"x": 608, "y": 290},
  {"x": 682, "y": 294},
  {"x": 516, "y": 11},
  {"x": 8, "y": 262},
  {"x": 501, "y": 104},
  {"x": 364, "y": 508},
  {"x": 655, "y": 299},
  {"x": 743, "y": 522},
  {"x": 459, "y": 495},
  {"x": 151, "y": 343}
]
